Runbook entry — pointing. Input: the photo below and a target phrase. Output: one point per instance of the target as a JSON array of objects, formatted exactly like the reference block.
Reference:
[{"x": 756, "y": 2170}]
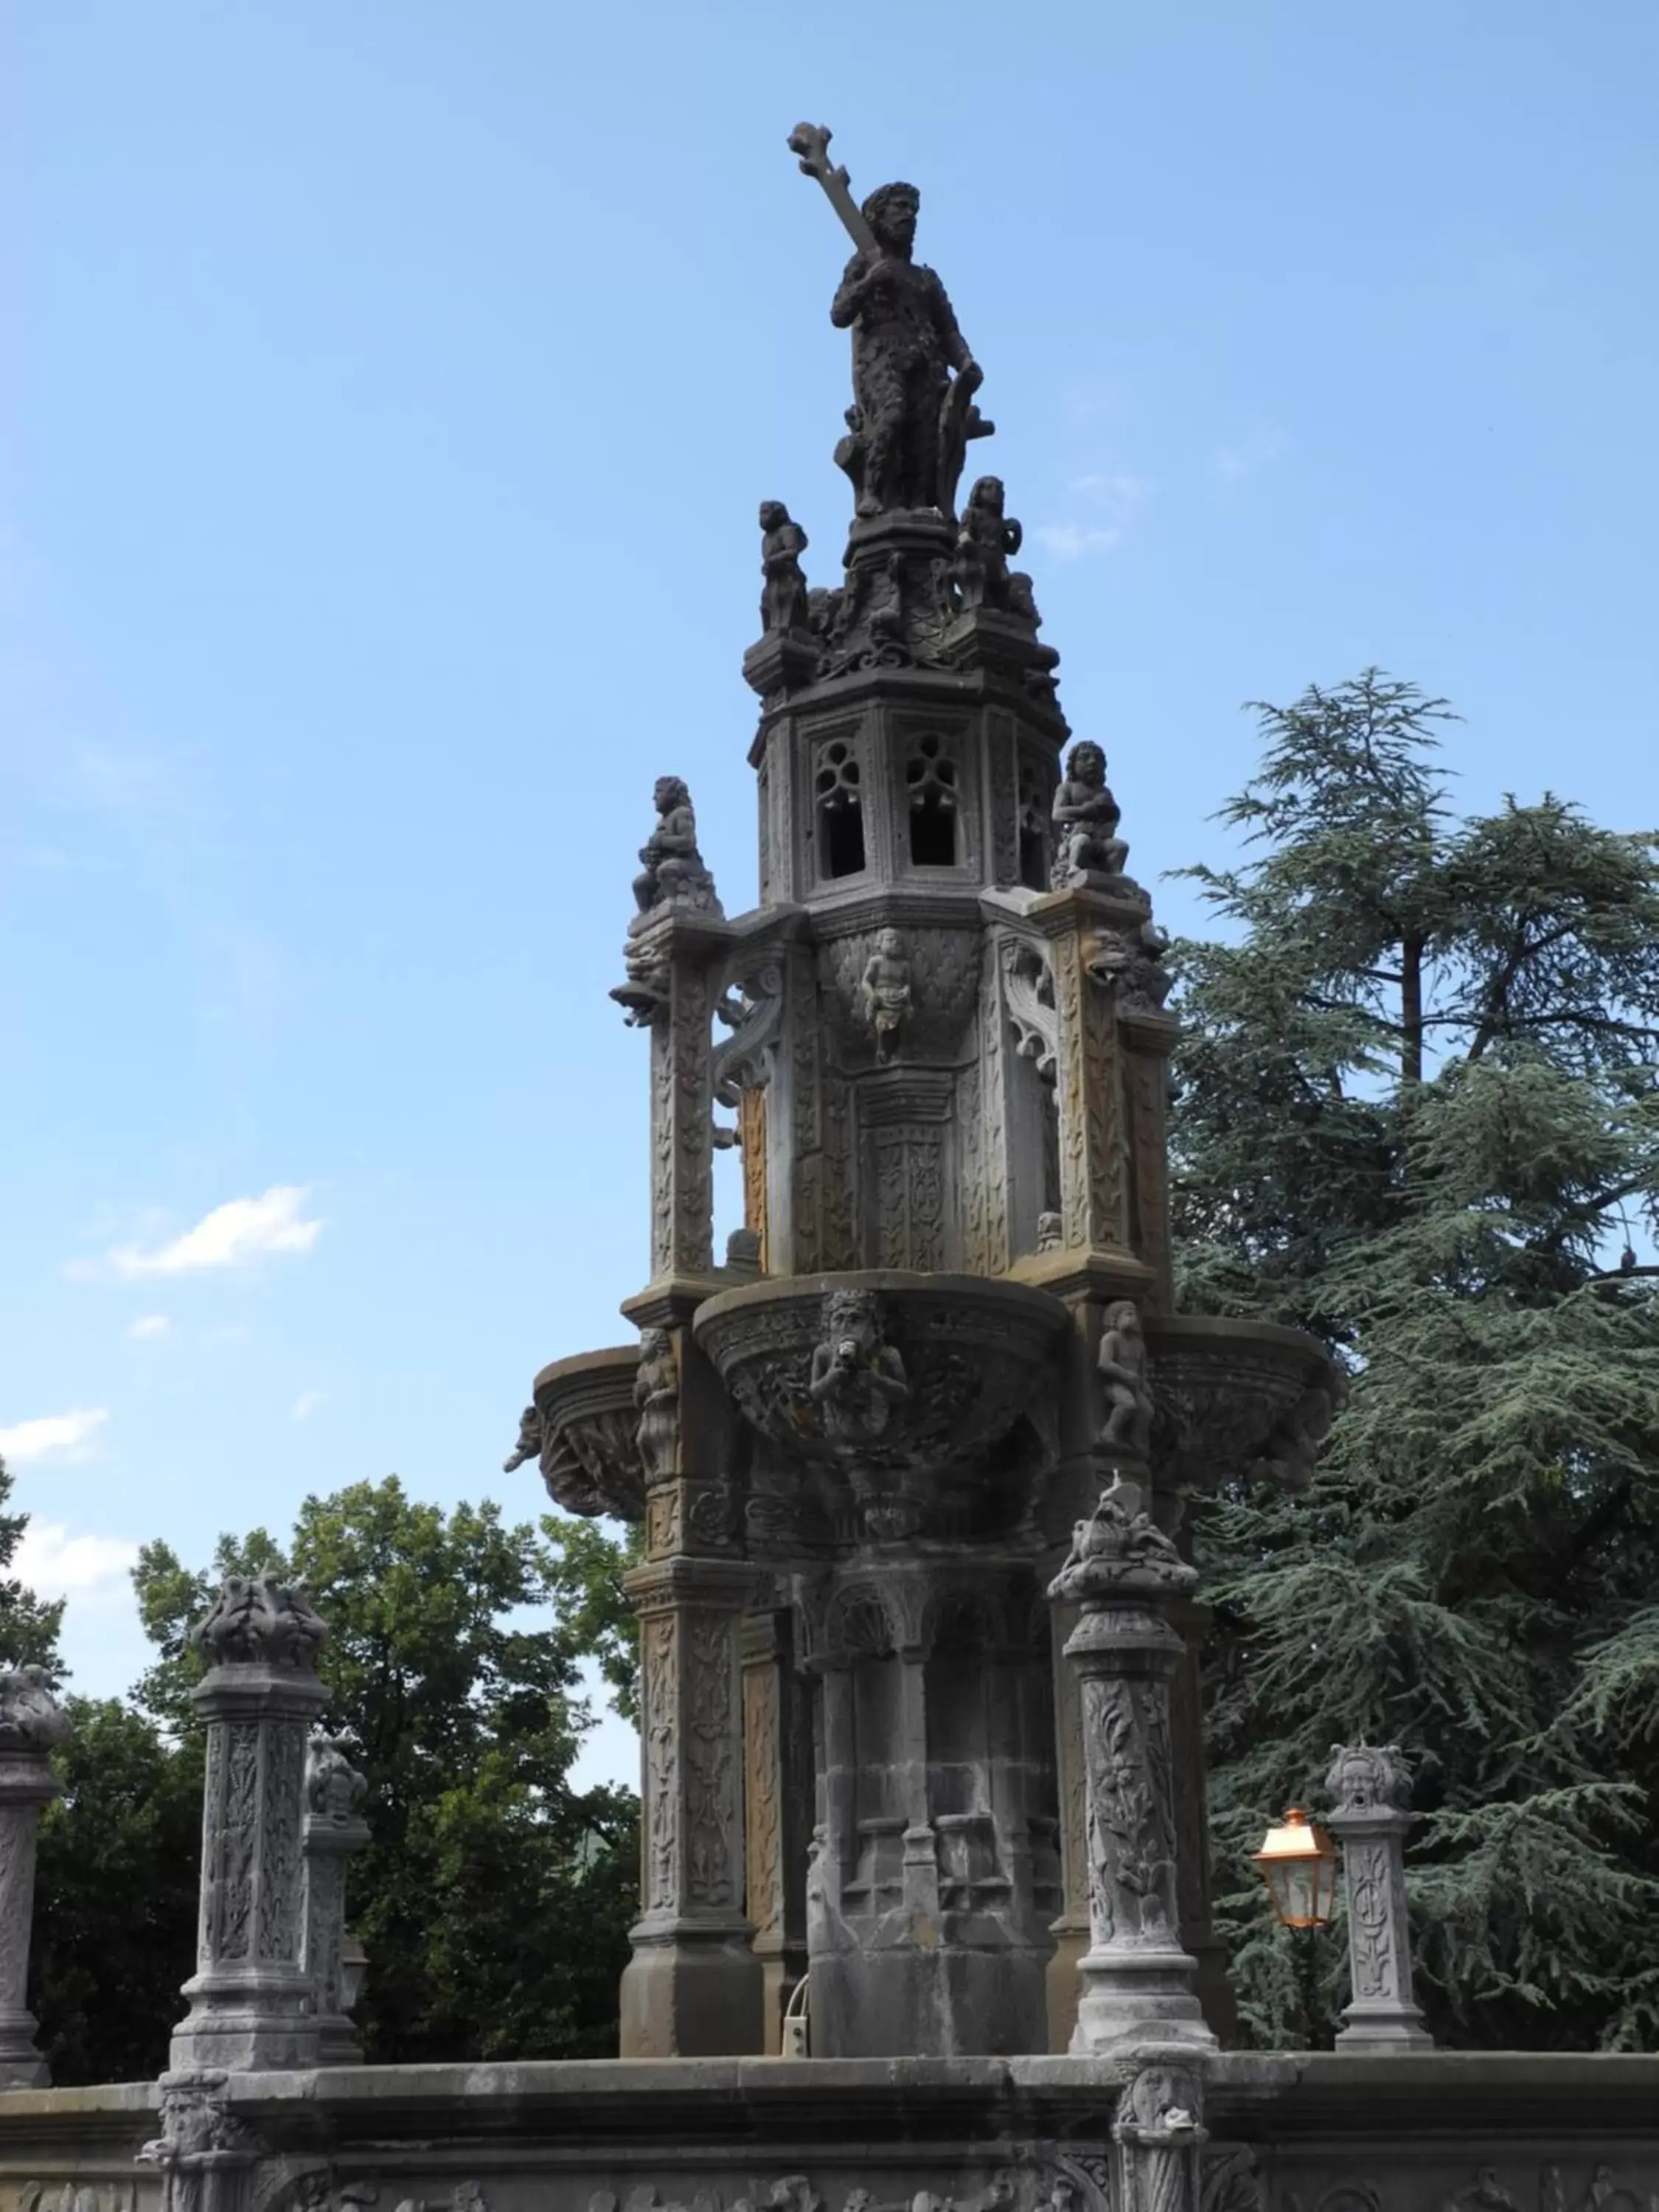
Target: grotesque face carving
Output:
[
  {"x": 1086, "y": 763},
  {"x": 670, "y": 793},
  {"x": 773, "y": 514}
]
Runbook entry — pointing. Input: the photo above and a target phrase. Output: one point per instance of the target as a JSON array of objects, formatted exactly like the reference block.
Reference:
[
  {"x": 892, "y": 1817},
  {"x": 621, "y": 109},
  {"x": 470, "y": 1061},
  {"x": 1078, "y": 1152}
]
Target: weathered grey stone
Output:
[
  {"x": 31, "y": 1725},
  {"x": 1371, "y": 1818},
  {"x": 334, "y": 1828},
  {"x": 1123, "y": 1573},
  {"x": 251, "y": 1998}
]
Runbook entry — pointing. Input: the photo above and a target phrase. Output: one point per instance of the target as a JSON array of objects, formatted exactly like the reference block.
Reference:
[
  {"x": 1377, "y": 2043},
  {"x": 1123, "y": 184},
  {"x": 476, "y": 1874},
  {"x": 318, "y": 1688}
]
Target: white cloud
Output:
[
  {"x": 149, "y": 1325},
  {"x": 53, "y": 1564},
  {"x": 1233, "y": 462},
  {"x": 1109, "y": 500},
  {"x": 1069, "y": 541},
  {"x": 305, "y": 1405},
  {"x": 234, "y": 1234},
  {"x": 50, "y": 1433}
]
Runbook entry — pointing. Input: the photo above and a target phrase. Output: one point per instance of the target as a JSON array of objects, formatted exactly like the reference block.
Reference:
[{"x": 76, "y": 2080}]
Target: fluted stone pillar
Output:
[
  {"x": 334, "y": 1828},
  {"x": 1137, "y": 1982},
  {"x": 1371, "y": 1818},
  {"x": 251, "y": 1997},
  {"x": 32, "y": 1724}
]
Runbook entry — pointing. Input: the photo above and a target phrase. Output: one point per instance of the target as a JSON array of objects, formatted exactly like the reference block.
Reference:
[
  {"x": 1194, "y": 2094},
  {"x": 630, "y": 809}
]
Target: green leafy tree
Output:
[
  {"x": 495, "y": 1899},
  {"x": 29, "y": 1625},
  {"x": 1418, "y": 1110},
  {"x": 116, "y": 1895}
]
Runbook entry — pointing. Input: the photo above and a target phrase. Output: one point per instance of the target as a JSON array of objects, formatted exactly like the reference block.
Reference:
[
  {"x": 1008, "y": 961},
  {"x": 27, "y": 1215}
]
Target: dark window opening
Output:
[
  {"x": 841, "y": 812},
  {"x": 932, "y": 830},
  {"x": 844, "y": 838},
  {"x": 1033, "y": 856},
  {"x": 930, "y": 776}
]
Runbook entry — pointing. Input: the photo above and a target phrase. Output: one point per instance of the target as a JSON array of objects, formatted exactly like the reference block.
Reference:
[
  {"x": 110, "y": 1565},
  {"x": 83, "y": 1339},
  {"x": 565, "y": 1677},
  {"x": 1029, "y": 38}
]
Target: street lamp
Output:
[{"x": 1299, "y": 1862}]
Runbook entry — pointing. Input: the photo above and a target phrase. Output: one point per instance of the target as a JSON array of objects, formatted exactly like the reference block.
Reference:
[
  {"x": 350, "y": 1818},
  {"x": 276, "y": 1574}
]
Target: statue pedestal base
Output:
[{"x": 692, "y": 1990}]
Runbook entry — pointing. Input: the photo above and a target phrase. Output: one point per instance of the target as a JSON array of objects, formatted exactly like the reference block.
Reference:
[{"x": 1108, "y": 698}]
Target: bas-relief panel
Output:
[{"x": 1496, "y": 2175}]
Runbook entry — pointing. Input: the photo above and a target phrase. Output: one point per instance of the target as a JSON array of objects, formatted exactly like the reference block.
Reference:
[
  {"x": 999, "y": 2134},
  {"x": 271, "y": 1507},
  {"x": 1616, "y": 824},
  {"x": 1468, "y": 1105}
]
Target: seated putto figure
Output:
[
  {"x": 672, "y": 874},
  {"x": 1085, "y": 818}
]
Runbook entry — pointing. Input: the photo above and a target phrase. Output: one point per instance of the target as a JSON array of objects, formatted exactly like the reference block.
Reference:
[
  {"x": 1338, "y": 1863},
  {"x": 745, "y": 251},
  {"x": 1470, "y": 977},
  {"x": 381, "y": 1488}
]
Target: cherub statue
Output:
[
  {"x": 529, "y": 1445},
  {"x": 885, "y": 990},
  {"x": 657, "y": 1396},
  {"x": 1121, "y": 1363},
  {"x": 856, "y": 1378},
  {"x": 1085, "y": 818},
  {"x": 672, "y": 874},
  {"x": 783, "y": 595},
  {"x": 984, "y": 543}
]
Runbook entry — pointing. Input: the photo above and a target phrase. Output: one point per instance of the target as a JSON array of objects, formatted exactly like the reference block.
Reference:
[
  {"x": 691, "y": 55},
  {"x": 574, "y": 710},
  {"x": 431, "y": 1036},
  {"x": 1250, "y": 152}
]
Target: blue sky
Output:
[{"x": 386, "y": 395}]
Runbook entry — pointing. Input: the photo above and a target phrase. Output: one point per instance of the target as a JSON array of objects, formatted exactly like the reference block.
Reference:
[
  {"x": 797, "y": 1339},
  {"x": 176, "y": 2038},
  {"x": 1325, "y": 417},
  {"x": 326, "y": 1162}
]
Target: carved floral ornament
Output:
[
  {"x": 258, "y": 1621},
  {"x": 31, "y": 1718}
]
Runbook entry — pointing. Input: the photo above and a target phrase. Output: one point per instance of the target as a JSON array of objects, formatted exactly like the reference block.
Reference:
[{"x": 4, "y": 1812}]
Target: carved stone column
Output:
[
  {"x": 251, "y": 1997},
  {"x": 334, "y": 1828},
  {"x": 1159, "y": 2134},
  {"x": 31, "y": 1724},
  {"x": 1137, "y": 1981},
  {"x": 777, "y": 1725},
  {"x": 1371, "y": 1818},
  {"x": 693, "y": 1987},
  {"x": 1071, "y": 1931},
  {"x": 1191, "y": 1621},
  {"x": 1094, "y": 1152}
]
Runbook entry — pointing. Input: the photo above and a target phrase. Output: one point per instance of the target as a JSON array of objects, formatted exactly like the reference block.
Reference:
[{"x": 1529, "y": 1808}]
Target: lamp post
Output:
[{"x": 1299, "y": 1861}]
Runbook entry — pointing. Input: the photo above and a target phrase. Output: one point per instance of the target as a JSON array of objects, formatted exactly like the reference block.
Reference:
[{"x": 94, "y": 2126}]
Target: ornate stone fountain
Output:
[{"x": 859, "y": 1442}]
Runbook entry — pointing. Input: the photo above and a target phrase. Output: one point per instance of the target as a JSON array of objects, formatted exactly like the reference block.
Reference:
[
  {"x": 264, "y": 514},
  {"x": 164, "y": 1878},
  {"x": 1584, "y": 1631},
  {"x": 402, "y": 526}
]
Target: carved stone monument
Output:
[
  {"x": 1371, "y": 1817},
  {"x": 859, "y": 1446},
  {"x": 251, "y": 1998},
  {"x": 334, "y": 1828},
  {"x": 32, "y": 1726}
]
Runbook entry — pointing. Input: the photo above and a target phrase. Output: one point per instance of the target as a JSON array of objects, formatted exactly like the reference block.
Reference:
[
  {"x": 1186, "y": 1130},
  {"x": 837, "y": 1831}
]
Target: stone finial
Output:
[
  {"x": 258, "y": 1621},
  {"x": 31, "y": 1719},
  {"x": 1119, "y": 1546},
  {"x": 334, "y": 1787},
  {"x": 1368, "y": 1779},
  {"x": 1371, "y": 1786}
]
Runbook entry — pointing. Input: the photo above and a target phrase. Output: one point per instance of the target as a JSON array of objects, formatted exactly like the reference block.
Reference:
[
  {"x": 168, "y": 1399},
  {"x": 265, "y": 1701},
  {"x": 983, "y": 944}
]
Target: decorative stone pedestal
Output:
[
  {"x": 1373, "y": 1789},
  {"x": 334, "y": 1828},
  {"x": 251, "y": 2005},
  {"x": 1138, "y": 1983},
  {"x": 31, "y": 1724}
]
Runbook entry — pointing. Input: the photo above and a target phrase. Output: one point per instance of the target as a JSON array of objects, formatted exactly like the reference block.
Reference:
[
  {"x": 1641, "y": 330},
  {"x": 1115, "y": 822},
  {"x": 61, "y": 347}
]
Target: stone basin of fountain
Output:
[
  {"x": 891, "y": 1389},
  {"x": 589, "y": 1455},
  {"x": 1235, "y": 1398}
]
